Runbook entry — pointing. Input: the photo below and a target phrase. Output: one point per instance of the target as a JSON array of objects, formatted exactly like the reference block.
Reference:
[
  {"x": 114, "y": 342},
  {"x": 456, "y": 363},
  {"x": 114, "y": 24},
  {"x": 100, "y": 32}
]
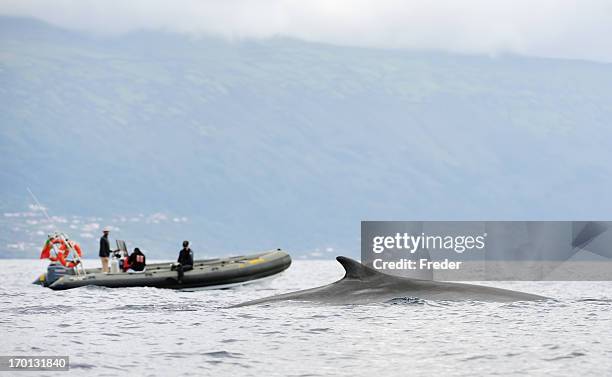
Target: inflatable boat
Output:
[{"x": 206, "y": 273}]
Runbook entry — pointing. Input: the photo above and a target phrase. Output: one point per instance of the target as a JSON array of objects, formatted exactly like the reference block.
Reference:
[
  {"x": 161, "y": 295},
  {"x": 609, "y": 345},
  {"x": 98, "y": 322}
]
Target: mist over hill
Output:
[{"x": 255, "y": 144}]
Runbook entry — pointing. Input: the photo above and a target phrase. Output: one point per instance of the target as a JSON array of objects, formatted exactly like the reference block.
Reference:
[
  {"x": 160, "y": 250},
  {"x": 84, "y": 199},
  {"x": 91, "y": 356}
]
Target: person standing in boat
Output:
[
  {"x": 185, "y": 261},
  {"x": 105, "y": 248}
]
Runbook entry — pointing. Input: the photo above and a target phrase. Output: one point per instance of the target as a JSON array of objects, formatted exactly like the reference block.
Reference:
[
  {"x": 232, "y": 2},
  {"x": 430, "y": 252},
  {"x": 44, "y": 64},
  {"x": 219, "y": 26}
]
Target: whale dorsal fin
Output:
[{"x": 354, "y": 269}]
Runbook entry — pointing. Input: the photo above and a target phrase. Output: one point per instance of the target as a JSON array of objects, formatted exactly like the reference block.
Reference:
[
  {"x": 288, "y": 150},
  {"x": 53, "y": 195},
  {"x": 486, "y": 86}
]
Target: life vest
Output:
[
  {"x": 76, "y": 247},
  {"x": 64, "y": 251},
  {"x": 66, "y": 263},
  {"x": 46, "y": 251}
]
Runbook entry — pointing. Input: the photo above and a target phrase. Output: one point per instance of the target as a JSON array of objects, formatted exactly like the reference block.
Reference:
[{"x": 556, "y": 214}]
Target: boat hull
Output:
[{"x": 206, "y": 273}]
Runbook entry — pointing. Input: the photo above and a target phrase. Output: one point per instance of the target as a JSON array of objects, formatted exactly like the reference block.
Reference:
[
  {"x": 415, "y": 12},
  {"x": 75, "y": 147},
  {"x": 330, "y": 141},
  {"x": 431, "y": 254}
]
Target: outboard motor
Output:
[{"x": 54, "y": 272}]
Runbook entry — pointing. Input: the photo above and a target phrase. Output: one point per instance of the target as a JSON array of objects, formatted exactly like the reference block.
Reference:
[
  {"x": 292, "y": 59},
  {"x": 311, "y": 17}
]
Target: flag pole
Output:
[{"x": 60, "y": 234}]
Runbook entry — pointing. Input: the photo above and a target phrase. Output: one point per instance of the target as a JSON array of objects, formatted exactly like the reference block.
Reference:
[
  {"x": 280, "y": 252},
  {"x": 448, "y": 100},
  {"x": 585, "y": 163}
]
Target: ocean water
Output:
[{"x": 154, "y": 332}]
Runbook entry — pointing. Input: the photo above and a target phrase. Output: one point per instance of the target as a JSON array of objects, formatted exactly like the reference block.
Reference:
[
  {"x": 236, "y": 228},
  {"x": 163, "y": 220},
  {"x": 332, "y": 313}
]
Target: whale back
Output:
[{"x": 362, "y": 284}]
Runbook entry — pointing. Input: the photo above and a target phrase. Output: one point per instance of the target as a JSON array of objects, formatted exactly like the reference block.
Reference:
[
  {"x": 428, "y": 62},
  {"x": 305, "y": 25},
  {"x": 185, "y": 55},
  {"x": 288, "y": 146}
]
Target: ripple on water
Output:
[
  {"x": 40, "y": 309},
  {"x": 406, "y": 301},
  {"x": 567, "y": 356},
  {"x": 223, "y": 354}
]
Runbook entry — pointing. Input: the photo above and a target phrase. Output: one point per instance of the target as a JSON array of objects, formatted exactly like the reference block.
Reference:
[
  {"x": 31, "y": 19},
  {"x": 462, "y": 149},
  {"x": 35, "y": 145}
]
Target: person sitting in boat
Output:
[
  {"x": 185, "y": 261},
  {"x": 136, "y": 262}
]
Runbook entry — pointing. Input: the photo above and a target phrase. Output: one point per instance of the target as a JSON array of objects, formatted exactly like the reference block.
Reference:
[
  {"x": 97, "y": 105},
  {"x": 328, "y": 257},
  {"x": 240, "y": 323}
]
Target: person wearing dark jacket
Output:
[
  {"x": 105, "y": 249},
  {"x": 185, "y": 261},
  {"x": 137, "y": 260}
]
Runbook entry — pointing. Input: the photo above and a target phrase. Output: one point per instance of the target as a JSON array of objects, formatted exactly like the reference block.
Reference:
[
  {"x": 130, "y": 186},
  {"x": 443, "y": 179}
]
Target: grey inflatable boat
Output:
[{"x": 206, "y": 273}]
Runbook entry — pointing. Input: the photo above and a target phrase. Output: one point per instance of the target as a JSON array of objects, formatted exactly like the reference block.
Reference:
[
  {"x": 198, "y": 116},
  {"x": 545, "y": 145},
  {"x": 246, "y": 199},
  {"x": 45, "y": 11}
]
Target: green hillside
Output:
[{"x": 283, "y": 143}]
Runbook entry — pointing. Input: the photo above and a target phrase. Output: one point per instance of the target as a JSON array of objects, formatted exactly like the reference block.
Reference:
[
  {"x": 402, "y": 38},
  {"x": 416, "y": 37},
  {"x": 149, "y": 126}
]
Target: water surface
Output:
[{"x": 155, "y": 332}]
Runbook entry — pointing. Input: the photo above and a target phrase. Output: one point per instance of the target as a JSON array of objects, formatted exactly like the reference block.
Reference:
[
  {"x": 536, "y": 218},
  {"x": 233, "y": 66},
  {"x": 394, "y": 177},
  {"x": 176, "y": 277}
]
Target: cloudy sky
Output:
[{"x": 579, "y": 29}]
